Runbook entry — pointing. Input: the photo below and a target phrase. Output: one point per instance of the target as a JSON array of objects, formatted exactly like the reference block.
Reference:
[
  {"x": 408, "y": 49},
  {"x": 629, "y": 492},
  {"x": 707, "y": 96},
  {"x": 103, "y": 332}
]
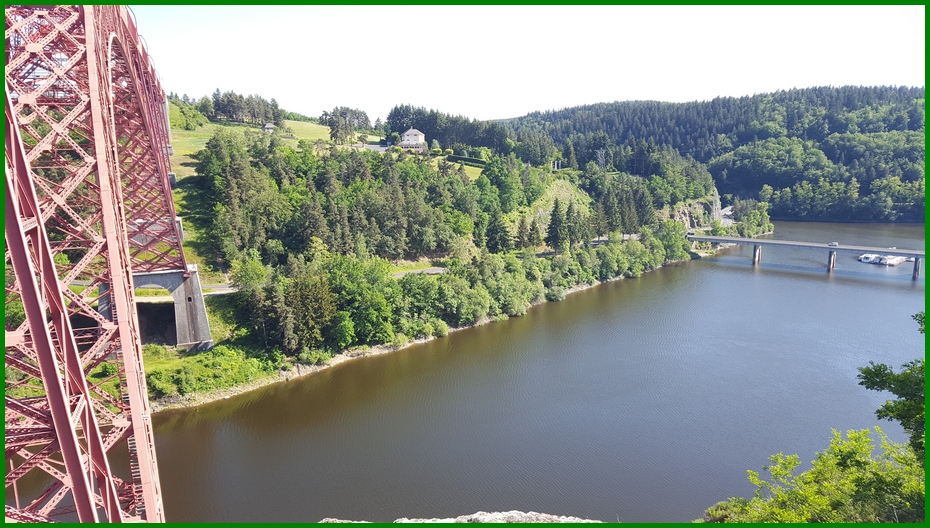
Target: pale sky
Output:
[{"x": 494, "y": 62}]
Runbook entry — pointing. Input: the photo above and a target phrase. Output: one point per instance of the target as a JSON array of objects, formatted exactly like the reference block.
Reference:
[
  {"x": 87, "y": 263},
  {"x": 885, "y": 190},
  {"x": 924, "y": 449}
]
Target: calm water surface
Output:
[{"x": 639, "y": 400}]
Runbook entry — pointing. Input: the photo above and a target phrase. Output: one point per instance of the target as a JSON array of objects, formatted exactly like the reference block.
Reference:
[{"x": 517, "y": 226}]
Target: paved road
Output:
[
  {"x": 726, "y": 215},
  {"x": 208, "y": 289}
]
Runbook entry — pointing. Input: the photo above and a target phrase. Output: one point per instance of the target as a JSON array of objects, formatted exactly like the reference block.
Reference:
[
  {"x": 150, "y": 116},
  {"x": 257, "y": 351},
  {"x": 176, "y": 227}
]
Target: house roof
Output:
[
  {"x": 268, "y": 125},
  {"x": 414, "y": 131}
]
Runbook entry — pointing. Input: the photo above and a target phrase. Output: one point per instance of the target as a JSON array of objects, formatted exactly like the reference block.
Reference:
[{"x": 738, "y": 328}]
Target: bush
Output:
[
  {"x": 555, "y": 293},
  {"x": 313, "y": 356},
  {"x": 440, "y": 328},
  {"x": 186, "y": 380},
  {"x": 160, "y": 384},
  {"x": 107, "y": 370},
  {"x": 399, "y": 340},
  {"x": 426, "y": 330},
  {"x": 447, "y": 152},
  {"x": 436, "y": 151}
]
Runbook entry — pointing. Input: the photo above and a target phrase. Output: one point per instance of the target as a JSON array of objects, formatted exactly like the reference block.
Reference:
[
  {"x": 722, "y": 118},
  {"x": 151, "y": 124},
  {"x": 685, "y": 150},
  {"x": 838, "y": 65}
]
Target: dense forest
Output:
[
  {"x": 846, "y": 153},
  {"x": 306, "y": 234}
]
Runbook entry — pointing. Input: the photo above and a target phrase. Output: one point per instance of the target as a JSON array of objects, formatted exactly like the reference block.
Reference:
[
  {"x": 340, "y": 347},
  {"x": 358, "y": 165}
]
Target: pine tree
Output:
[
  {"x": 600, "y": 220},
  {"x": 498, "y": 235},
  {"x": 523, "y": 234},
  {"x": 556, "y": 232},
  {"x": 570, "y": 155},
  {"x": 535, "y": 236},
  {"x": 570, "y": 227}
]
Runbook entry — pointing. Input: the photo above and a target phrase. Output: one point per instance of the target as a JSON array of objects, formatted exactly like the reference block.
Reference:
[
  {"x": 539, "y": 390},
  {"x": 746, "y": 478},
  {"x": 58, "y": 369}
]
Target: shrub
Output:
[
  {"x": 555, "y": 293},
  {"x": 399, "y": 340},
  {"x": 108, "y": 369},
  {"x": 447, "y": 152},
  {"x": 186, "y": 380},
  {"x": 160, "y": 384},
  {"x": 436, "y": 151},
  {"x": 440, "y": 328},
  {"x": 426, "y": 330},
  {"x": 313, "y": 356}
]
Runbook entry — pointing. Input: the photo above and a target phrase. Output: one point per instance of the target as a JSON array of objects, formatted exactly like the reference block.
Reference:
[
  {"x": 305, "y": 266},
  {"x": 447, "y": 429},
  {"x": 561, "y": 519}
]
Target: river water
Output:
[{"x": 639, "y": 400}]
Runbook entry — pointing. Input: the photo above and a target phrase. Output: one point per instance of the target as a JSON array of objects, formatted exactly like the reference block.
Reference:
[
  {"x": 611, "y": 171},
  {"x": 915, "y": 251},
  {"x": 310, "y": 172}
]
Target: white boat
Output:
[
  {"x": 891, "y": 260},
  {"x": 870, "y": 258}
]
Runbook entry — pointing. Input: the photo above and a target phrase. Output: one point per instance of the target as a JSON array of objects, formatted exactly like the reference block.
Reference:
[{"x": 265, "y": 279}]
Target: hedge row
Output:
[{"x": 468, "y": 161}]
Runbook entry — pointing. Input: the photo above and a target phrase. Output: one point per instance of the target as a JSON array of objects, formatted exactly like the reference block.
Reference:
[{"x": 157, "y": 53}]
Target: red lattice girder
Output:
[{"x": 88, "y": 204}]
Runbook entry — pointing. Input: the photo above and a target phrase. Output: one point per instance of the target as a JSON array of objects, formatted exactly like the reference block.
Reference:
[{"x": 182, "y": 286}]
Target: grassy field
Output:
[
  {"x": 309, "y": 131},
  {"x": 185, "y": 144},
  {"x": 472, "y": 172}
]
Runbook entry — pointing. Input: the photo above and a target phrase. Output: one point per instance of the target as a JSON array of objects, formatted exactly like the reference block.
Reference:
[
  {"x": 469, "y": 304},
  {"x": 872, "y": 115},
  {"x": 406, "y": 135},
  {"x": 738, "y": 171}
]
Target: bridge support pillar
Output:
[
  {"x": 916, "y": 268},
  {"x": 831, "y": 260},
  {"x": 756, "y": 254},
  {"x": 190, "y": 311}
]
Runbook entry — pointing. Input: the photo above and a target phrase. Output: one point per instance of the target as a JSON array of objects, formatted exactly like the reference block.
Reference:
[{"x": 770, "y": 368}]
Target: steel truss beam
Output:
[{"x": 87, "y": 202}]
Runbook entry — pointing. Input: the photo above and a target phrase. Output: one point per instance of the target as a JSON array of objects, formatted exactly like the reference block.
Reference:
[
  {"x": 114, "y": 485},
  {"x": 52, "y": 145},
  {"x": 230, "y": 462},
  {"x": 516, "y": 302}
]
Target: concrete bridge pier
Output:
[
  {"x": 756, "y": 254},
  {"x": 190, "y": 311},
  {"x": 831, "y": 260},
  {"x": 916, "y": 268}
]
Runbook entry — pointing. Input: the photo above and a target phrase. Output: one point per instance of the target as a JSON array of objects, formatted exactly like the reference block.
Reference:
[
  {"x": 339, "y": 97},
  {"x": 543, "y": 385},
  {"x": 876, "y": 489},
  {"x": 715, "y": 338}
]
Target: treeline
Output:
[
  {"x": 870, "y": 139},
  {"x": 455, "y": 132},
  {"x": 321, "y": 302},
  {"x": 707, "y": 129},
  {"x": 230, "y": 106},
  {"x": 184, "y": 115}
]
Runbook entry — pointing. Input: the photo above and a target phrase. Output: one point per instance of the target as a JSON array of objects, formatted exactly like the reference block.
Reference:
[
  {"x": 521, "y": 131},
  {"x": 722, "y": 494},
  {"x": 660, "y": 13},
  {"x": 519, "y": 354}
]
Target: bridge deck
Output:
[{"x": 808, "y": 245}]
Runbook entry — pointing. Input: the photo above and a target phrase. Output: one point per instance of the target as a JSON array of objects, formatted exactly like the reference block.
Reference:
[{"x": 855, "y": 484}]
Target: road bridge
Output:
[{"x": 917, "y": 255}]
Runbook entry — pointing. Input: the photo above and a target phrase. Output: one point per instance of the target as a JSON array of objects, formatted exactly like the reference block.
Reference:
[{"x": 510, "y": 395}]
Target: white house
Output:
[{"x": 414, "y": 140}]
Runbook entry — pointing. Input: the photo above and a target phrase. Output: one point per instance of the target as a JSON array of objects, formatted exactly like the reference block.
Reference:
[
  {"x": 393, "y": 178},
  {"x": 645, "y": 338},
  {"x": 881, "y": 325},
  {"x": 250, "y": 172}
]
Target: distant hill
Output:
[{"x": 863, "y": 141}]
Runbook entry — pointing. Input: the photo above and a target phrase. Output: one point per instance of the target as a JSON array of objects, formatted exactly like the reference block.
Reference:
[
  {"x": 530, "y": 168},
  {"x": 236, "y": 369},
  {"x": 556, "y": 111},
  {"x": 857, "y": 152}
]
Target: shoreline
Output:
[{"x": 196, "y": 399}]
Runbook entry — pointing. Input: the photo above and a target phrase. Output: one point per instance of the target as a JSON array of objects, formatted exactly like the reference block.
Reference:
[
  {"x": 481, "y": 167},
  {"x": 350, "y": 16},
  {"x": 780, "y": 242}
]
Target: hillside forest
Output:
[
  {"x": 829, "y": 153},
  {"x": 311, "y": 233}
]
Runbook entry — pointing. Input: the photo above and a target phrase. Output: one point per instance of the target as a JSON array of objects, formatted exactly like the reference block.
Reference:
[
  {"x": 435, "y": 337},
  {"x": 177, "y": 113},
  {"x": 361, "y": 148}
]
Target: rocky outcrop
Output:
[
  {"x": 492, "y": 517},
  {"x": 694, "y": 214}
]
